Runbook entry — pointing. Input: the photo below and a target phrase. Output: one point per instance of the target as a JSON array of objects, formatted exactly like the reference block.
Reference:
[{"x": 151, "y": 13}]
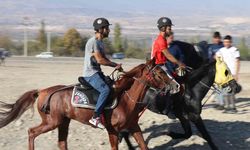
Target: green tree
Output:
[
  {"x": 5, "y": 42},
  {"x": 108, "y": 46},
  {"x": 243, "y": 48},
  {"x": 125, "y": 43},
  {"x": 134, "y": 50},
  {"x": 117, "y": 38},
  {"x": 34, "y": 48},
  {"x": 42, "y": 35},
  {"x": 72, "y": 42}
]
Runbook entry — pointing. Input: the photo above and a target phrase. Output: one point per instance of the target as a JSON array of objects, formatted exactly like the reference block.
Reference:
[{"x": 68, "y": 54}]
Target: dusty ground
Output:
[{"x": 229, "y": 131}]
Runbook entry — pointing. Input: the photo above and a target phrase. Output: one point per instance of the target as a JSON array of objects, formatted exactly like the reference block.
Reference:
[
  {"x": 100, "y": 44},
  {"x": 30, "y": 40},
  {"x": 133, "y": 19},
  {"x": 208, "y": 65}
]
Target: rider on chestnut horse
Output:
[{"x": 92, "y": 73}]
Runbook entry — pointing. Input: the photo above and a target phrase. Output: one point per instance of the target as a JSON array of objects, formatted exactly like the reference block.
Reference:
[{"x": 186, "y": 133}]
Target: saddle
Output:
[{"x": 85, "y": 96}]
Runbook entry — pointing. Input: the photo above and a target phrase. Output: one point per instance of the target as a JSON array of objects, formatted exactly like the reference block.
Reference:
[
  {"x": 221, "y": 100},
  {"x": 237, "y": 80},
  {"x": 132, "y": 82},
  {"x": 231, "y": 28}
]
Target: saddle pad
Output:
[{"x": 87, "y": 98}]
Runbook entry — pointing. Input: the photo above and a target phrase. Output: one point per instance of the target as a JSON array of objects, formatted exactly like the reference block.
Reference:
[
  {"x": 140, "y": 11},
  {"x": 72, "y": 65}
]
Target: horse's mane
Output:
[
  {"x": 192, "y": 57},
  {"x": 135, "y": 72},
  {"x": 126, "y": 80}
]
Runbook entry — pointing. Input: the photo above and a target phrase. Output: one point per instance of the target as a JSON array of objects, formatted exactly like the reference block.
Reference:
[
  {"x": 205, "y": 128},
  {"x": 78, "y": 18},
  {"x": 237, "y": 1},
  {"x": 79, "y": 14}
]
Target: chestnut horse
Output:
[{"x": 124, "y": 116}]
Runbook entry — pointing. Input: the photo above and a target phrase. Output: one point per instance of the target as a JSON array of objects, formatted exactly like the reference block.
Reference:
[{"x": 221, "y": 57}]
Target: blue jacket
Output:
[
  {"x": 177, "y": 53},
  {"x": 213, "y": 48}
]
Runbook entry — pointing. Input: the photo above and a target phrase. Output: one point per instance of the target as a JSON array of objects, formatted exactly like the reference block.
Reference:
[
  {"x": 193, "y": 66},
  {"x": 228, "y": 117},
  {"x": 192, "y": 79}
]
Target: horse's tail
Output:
[{"x": 11, "y": 112}]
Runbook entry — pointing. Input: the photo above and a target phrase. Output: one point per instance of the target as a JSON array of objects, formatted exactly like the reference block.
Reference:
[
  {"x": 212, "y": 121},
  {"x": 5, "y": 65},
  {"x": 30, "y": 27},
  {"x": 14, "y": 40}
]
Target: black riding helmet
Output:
[
  {"x": 100, "y": 23},
  {"x": 164, "y": 21}
]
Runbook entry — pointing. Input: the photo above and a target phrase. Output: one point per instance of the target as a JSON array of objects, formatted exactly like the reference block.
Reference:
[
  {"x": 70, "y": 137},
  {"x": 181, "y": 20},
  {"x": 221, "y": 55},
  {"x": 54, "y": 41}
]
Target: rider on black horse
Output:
[
  {"x": 176, "y": 51},
  {"x": 160, "y": 49}
]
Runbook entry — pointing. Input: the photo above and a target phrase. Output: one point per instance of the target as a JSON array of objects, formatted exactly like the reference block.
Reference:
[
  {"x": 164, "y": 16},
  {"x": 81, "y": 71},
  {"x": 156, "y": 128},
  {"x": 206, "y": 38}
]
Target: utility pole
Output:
[
  {"x": 48, "y": 41},
  {"x": 25, "y": 37}
]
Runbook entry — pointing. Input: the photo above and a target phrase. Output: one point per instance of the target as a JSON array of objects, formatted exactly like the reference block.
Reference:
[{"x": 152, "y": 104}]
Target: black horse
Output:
[{"x": 187, "y": 107}]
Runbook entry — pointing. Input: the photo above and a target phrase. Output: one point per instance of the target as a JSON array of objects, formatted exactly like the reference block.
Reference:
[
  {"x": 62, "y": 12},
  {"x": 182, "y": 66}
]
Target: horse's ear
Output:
[{"x": 151, "y": 61}]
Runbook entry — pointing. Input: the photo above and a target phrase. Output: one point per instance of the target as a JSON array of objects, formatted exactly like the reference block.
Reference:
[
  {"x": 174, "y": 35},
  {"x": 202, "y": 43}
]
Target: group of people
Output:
[
  {"x": 231, "y": 56},
  {"x": 166, "y": 54}
]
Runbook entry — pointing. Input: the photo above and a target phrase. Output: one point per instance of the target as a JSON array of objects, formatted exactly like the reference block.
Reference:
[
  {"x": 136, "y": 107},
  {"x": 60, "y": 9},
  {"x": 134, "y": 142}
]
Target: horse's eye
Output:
[{"x": 226, "y": 72}]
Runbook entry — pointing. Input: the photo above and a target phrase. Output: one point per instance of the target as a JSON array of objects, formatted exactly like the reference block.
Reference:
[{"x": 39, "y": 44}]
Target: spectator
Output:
[
  {"x": 2, "y": 57},
  {"x": 215, "y": 46}
]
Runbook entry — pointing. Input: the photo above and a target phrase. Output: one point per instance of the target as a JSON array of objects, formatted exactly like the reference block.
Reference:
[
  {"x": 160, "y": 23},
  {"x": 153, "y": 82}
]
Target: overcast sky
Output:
[{"x": 162, "y": 7}]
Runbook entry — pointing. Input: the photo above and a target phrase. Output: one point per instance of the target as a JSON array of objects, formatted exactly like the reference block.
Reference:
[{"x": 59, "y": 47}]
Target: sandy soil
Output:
[{"x": 229, "y": 131}]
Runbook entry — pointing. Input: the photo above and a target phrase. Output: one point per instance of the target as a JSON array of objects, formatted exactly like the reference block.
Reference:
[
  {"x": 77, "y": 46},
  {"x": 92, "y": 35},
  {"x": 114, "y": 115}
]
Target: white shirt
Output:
[{"x": 229, "y": 55}]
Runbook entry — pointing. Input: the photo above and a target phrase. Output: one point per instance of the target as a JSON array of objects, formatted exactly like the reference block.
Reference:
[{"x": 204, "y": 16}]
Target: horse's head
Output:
[
  {"x": 157, "y": 78},
  {"x": 224, "y": 78}
]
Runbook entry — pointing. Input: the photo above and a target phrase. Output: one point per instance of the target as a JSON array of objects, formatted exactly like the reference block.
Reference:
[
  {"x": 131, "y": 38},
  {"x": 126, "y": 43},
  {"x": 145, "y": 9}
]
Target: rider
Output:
[
  {"x": 160, "y": 46},
  {"x": 161, "y": 53},
  {"x": 175, "y": 50},
  {"x": 92, "y": 73}
]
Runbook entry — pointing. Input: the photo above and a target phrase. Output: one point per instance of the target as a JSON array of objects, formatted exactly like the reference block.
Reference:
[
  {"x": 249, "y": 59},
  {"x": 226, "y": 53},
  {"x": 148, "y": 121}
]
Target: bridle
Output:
[{"x": 151, "y": 78}]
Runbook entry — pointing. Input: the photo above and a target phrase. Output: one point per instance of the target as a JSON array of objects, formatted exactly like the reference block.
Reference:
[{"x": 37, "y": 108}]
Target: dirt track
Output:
[{"x": 229, "y": 131}]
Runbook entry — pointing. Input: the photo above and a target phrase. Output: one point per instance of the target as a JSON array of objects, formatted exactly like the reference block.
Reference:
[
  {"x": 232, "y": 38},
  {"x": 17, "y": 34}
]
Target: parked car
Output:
[
  {"x": 45, "y": 55},
  {"x": 118, "y": 55}
]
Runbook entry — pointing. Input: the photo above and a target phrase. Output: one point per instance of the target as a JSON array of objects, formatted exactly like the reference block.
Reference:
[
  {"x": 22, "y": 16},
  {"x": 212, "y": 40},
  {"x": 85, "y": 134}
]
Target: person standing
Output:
[
  {"x": 231, "y": 56},
  {"x": 215, "y": 46},
  {"x": 92, "y": 73}
]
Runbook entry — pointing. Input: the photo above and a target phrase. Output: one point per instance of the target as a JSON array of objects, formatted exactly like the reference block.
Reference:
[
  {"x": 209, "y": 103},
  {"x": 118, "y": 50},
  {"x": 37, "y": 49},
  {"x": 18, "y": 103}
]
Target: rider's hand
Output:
[
  {"x": 181, "y": 65},
  {"x": 119, "y": 67}
]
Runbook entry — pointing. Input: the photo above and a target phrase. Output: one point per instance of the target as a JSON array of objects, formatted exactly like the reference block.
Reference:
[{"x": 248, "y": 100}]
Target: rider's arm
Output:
[{"x": 103, "y": 60}]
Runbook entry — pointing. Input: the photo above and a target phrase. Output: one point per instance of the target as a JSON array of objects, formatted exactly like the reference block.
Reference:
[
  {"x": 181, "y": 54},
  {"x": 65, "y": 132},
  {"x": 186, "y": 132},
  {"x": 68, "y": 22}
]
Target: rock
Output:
[
  {"x": 102, "y": 143},
  {"x": 19, "y": 123}
]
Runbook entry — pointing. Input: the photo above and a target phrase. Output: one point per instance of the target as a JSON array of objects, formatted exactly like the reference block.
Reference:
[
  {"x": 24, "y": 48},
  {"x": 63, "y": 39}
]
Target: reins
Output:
[{"x": 213, "y": 88}]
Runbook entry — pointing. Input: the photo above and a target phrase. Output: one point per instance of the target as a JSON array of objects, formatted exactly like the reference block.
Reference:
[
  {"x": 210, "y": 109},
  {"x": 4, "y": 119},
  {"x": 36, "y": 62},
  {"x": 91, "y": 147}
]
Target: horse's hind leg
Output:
[
  {"x": 63, "y": 134},
  {"x": 35, "y": 131}
]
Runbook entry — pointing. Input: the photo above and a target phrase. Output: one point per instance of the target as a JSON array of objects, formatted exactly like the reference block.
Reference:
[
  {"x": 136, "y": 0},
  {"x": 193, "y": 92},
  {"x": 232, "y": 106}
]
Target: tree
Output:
[
  {"x": 117, "y": 38},
  {"x": 72, "y": 42},
  {"x": 108, "y": 46},
  {"x": 5, "y": 42},
  {"x": 134, "y": 50},
  {"x": 243, "y": 48},
  {"x": 42, "y": 35}
]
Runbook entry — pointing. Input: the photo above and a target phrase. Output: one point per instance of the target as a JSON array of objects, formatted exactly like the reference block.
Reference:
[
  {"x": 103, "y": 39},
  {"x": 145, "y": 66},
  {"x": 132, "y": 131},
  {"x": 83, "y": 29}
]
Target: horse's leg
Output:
[
  {"x": 186, "y": 127},
  {"x": 63, "y": 134},
  {"x": 137, "y": 134},
  {"x": 125, "y": 135},
  {"x": 202, "y": 129},
  {"x": 113, "y": 139},
  {"x": 35, "y": 131}
]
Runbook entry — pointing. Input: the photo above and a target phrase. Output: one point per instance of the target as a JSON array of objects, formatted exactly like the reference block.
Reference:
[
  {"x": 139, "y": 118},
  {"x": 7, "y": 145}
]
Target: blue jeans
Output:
[
  {"x": 171, "y": 67},
  {"x": 97, "y": 82}
]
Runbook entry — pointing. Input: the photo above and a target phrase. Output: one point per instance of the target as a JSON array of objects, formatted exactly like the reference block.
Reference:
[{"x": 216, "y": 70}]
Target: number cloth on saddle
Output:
[{"x": 85, "y": 96}]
